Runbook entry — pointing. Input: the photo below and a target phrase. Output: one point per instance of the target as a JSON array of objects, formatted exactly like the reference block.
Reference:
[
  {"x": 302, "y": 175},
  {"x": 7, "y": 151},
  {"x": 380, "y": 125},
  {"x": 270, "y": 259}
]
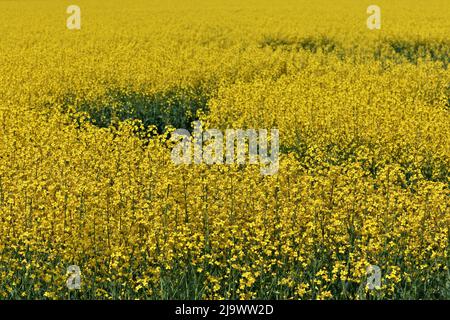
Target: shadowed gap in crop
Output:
[
  {"x": 432, "y": 168},
  {"x": 312, "y": 44},
  {"x": 176, "y": 108},
  {"x": 414, "y": 50}
]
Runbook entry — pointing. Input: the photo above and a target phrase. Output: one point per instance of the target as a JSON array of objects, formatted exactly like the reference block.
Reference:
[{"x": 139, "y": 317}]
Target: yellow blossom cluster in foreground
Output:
[{"x": 87, "y": 179}]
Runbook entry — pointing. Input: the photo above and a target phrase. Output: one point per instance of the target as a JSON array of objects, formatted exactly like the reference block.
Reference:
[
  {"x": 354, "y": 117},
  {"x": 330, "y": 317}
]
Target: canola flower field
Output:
[{"x": 86, "y": 176}]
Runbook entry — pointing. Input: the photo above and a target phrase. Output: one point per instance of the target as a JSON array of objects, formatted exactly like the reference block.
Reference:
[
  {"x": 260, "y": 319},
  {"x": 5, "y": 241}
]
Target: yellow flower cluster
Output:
[{"x": 87, "y": 179}]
